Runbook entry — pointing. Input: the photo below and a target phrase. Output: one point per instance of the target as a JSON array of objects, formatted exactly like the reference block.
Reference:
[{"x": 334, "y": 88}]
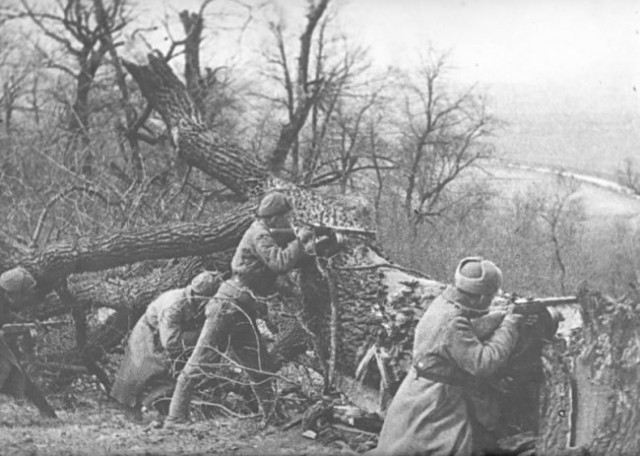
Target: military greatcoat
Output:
[
  {"x": 169, "y": 327},
  {"x": 430, "y": 414}
]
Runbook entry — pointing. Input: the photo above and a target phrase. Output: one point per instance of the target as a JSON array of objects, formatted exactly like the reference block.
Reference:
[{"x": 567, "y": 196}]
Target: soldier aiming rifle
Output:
[
  {"x": 16, "y": 285},
  {"x": 326, "y": 238}
]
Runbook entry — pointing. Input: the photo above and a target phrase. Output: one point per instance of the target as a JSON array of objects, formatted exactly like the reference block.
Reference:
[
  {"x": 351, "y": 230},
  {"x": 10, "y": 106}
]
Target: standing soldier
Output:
[
  {"x": 17, "y": 286},
  {"x": 231, "y": 314},
  {"x": 168, "y": 329},
  {"x": 429, "y": 414}
]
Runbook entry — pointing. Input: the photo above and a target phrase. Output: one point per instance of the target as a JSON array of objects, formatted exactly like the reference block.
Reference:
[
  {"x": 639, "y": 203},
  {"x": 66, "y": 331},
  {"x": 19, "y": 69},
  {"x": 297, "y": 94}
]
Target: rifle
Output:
[
  {"x": 532, "y": 306},
  {"x": 544, "y": 308},
  {"x": 11, "y": 329},
  {"x": 324, "y": 231},
  {"x": 327, "y": 237}
]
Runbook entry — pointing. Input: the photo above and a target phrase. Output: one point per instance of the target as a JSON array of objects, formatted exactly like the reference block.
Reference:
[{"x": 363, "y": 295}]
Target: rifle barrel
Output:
[
  {"x": 548, "y": 301},
  {"x": 341, "y": 229},
  {"x": 533, "y": 306}
]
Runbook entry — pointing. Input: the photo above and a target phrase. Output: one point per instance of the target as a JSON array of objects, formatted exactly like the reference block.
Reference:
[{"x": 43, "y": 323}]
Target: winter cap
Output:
[
  {"x": 274, "y": 204},
  {"x": 206, "y": 283},
  {"x": 477, "y": 276},
  {"x": 17, "y": 281}
]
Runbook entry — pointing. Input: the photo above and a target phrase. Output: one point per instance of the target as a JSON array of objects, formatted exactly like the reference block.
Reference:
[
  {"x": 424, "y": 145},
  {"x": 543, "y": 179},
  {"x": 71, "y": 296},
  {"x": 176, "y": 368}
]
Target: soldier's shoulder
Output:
[
  {"x": 257, "y": 230},
  {"x": 168, "y": 298}
]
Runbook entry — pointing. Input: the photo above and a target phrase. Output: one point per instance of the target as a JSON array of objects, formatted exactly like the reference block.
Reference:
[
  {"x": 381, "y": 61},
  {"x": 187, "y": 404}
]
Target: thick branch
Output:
[
  {"x": 199, "y": 147},
  {"x": 57, "y": 261}
]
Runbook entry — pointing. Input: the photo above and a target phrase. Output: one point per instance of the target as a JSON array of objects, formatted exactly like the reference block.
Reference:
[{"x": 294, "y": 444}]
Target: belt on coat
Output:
[{"x": 438, "y": 378}]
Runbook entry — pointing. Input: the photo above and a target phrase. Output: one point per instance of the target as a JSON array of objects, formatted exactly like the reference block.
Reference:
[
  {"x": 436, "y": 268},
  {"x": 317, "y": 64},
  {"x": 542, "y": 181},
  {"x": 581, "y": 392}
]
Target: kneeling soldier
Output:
[{"x": 168, "y": 329}]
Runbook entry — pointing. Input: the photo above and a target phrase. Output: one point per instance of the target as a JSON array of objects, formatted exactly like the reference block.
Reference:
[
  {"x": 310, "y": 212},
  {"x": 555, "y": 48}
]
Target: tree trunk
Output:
[
  {"x": 198, "y": 146},
  {"x": 58, "y": 261},
  {"x": 193, "y": 24},
  {"x": 592, "y": 389}
]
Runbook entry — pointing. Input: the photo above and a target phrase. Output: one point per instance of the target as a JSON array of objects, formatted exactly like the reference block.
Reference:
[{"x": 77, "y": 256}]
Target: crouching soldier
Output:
[
  {"x": 17, "y": 286},
  {"x": 158, "y": 343},
  {"x": 231, "y": 314},
  {"x": 430, "y": 414}
]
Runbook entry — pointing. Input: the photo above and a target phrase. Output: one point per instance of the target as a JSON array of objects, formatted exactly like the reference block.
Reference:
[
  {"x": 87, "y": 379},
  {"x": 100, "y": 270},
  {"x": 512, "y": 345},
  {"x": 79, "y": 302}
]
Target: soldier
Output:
[
  {"x": 17, "y": 286},
  {"x": 429, "y": 414},
  {"x": 159, "y": 341},
  {"x": 231, "y": 314}
]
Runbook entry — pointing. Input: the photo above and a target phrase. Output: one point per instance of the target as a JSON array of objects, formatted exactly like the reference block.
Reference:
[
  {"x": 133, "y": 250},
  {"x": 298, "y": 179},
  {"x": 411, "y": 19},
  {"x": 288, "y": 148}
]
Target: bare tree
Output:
[
  {"x": 562, "y": 215},
  {"x": 301, "y": 92},
  {"x": 19, "y": 76},
  {"x": 441, "y": 136},
  {"x": 629, "y": 176},
  {"x": 76, "y": 29}
]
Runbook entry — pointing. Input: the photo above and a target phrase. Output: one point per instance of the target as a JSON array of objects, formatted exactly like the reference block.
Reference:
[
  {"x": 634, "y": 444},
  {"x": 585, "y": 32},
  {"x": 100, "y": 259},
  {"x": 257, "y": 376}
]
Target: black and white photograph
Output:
[{"x": 320, "y": 227}]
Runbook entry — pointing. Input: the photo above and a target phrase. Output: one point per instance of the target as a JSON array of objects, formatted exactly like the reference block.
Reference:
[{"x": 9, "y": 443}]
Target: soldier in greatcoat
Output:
[
  {"x": 231, "y": 314},
  {"x": 158, "y": 344},
  {"x": 430, "y": 414}
]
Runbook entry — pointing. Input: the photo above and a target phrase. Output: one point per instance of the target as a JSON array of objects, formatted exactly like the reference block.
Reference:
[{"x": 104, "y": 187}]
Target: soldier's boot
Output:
[{"x": 179, "y": 407}]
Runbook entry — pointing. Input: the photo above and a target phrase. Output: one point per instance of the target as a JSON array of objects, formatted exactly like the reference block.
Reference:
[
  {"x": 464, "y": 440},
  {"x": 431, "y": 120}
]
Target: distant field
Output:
[
  {"x": 563, "y": 134},
  {"x": 600, "y": 204}
]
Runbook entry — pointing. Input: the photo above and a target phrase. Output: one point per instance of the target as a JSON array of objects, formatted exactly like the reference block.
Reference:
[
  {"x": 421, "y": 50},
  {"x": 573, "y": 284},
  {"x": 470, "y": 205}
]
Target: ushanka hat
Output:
[
  {"x": 17, "y": 281},
  {"x": 478, "y": 276},
  {"x": 206, "y": 283},
  {"x": 274, "y": 204}
]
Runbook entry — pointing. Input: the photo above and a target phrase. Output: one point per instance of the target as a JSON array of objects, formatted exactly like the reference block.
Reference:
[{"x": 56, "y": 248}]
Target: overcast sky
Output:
[{"x": 563, "y": 72}]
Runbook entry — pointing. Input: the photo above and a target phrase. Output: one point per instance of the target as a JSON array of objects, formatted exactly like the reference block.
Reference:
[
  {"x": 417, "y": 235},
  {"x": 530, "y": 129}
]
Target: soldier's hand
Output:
[
  {"x": 305, "y": 235},
  {"x": 519, "y": 319}
]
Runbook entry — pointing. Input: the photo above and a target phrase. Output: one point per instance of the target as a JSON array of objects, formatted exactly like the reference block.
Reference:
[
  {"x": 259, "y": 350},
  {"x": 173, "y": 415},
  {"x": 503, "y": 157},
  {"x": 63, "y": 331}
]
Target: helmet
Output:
[
  {"x": 274, "y": 203},
  {"x": 206, "y": 283},
  {"x": 477, "y": 276},
  {"x": 17, "y": 281}
]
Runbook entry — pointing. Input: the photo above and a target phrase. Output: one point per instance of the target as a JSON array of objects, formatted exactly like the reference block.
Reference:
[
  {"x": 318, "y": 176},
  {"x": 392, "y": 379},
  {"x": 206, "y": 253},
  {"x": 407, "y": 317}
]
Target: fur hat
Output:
[
  {"x": 17, "y": 281},
  {"x": 274, "y": 204},
  {"x": 206, "y": 283},
  {"x": 477, "y": 276}
]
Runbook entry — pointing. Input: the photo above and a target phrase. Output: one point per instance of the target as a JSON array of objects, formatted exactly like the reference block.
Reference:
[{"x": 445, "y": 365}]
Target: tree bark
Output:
[
  {"x": 592, "y": 386},
  {"x": 197, "y": 145}
]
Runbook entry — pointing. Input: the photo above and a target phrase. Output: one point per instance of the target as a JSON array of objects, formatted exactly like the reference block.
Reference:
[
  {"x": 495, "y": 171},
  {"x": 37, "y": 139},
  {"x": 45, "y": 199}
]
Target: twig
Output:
[
  {"x": 342, "y": 427},
  {"x": 292, "y": 423},
  {"x": 229, "y": 411}
]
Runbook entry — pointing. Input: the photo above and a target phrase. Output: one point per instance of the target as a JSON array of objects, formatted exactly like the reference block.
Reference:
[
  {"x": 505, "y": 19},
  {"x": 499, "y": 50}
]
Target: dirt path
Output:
[{"x": 96, "y": 428}]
